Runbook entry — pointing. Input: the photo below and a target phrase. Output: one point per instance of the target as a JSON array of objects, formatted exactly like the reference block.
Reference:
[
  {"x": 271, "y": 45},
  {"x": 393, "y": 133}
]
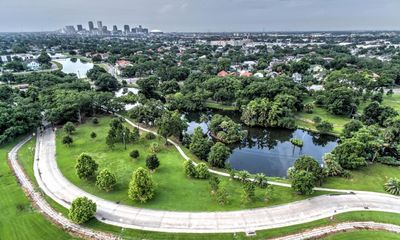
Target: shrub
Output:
[
  {"x": 141, "y": 186},
  {"x": 95, "y": 120},
  {"x": 222, "y": 196},
  {"x": 82, "y": 209},
  {"x": 309, "y": 107},
  {"x": 155, "y": 147},
  {"x": 303, "y": 182},
  {"x": 69, "y": 128},
  {"x": 214, "y": 184},
  {"x": 243, "y": 175},
  {"x": 67, "y": 140},
  {"x": 149, "y": 136},
  {"x": 93, "y": 135},
  {"x": 297, "y": 142},
  {"x": 392, "y": 186},
  {"x": 105, "y": 180},
  {"x": 317, "y": 119},
  {"x": 134, "y": 154},
  {"x": 152, "y": 162},
  {"x": 269, "y": 193},
  {"x": 85, "y": 167},
  {"x": 248, "y": 192},
  {"x": 202, "y": 171},
  {"x": 324, "y": 127},
  {"x": 261, "y": 180},
  {"x": 189, "y": 167}
]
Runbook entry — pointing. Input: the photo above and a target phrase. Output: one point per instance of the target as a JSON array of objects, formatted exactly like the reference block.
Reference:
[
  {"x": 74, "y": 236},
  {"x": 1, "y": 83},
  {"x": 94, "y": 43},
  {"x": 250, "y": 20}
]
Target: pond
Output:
[
  {"x": 125, "y": 91},
  {"x": 269, "y": 150},
  {"x": 79, "y": 68}
]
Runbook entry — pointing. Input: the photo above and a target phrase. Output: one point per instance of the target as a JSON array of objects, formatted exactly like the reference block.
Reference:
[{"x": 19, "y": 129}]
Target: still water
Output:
[
  {"x": 268, "y": 150},
  {"x": 79, "y": 68}
]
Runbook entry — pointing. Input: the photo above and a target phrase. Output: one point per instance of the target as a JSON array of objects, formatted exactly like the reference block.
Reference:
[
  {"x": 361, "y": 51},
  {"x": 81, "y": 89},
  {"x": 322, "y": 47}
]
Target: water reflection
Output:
[
  {"x": 268, "y": 150},
  {"x": 78, "y": 67}
]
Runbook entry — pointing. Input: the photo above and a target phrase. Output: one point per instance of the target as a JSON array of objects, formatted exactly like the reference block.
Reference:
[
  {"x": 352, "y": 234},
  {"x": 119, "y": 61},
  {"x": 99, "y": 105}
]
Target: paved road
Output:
[
  {"x": 54, "y": 184},
  {"x": 42, "y": 204}
]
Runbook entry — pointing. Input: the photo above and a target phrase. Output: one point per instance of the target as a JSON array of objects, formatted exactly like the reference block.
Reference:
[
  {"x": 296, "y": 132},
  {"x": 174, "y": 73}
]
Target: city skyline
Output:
[{"x": 218, "y": 16}]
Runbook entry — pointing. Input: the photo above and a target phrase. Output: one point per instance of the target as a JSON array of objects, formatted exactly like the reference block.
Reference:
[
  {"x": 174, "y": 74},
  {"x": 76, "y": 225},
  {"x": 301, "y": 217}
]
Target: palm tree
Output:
[{"x": 393, "y": 186}]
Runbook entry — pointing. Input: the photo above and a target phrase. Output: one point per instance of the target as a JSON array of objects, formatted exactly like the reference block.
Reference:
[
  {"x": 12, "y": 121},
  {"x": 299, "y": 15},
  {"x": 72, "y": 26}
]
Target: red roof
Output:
[
  {"x": 122, "y": 63},
  {"x": 246, "y": 74},
  {"x": 223, "y": 74}
]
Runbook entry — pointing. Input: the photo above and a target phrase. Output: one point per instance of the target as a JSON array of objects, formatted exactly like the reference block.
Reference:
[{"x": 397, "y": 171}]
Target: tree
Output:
[
  {"x": 44, "y": 58},
  {"x": 170, "y": 124},
  {"x": 248, "y": 192},
  {"x": 148, "y": 86},
  {"x": 199, "y": 144},
  {"x": 261, "y": 180},
  {"x": 82, "y": 209},
  {"x": 67, "y": 140},
  {"x": 152, "y": 162},
  {"x": 351, "y": 127},
  {"x": 311, "y": 165},
  {"x": 85, "y": 166},
  {"x": 324, "y": 127},
  {"x": 134, "y": 154},
  {"x": 106, "y": 83},
  {"x": 93, "y": 135},
  {"x": 154, "y": 147},
  {"x": 331, "y": 167},
  {"x": 214, "y": 184},
  {"x": 341, "y": 101},
  {"x": 222, "y": 196},
  {"x": 269, "y": 193},
  {"x": 190, "y": 169},
  {"x": 303, "y": 182},
  {"x": 218, "y": 155},
  {"x": 106, "y": 180},
  {"x": 141, "y": 186},
  {"x": 226, "y": 130},
  {"x": 350, "y": 154},
  {"x": 392, "y": 186},
  {"x": 374, "y": 113},
  {"x": 95, "y": 120},
  {"x": 202, "y": 171},
  {"x": 69, "y": 128},
  {"x": 309, "y": 107}
]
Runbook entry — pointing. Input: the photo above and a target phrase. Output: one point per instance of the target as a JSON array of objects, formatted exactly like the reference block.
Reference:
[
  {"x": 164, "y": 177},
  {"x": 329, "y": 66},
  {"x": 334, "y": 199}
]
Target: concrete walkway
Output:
[
  {"x": 54, "y": 184},
  {"x": 40, "y": 203},
  {"x": 341, "y": 227}
]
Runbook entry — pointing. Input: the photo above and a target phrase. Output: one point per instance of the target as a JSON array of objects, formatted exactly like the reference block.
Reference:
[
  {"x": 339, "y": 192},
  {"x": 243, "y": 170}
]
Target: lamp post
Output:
[{"x": 124, "y": 138}]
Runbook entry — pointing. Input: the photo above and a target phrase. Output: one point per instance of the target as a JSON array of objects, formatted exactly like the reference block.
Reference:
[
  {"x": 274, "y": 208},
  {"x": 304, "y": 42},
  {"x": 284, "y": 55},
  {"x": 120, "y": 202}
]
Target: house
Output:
[
  {"x": 222, "y": 74},
  {"x": 245, "y": 74},
  {"x": 297, "y": 77},
  {"x": 259, "y": 75},
  {"x": 33, "y": 65},
  {"x": 272, "y": 74},
  {"x": 121, "y": 64}
]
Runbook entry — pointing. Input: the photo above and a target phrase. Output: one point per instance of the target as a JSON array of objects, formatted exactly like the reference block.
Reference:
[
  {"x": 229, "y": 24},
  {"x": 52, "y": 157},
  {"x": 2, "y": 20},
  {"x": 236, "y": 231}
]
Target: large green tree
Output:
[
  {"x": 85, "y": 166},
  {"x": 218, "y": 155},
  {"x": 82, "y": 209},
  {"x": 141, "y": 186}
]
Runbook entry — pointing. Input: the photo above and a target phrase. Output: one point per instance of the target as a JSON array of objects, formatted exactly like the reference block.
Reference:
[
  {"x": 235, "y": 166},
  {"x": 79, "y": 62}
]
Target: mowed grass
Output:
[
  {"x": 18, "y": 220},
  {"x": 392, "y": 101},
  {"x": 365, "y": 235},
  {"x": 370, "y": 178},
  {"x": 174, "y": 190}
]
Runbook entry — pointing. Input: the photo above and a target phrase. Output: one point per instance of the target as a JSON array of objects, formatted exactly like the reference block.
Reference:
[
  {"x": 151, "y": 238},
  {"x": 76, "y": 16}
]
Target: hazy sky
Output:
[{"x": 203, "y": 15}]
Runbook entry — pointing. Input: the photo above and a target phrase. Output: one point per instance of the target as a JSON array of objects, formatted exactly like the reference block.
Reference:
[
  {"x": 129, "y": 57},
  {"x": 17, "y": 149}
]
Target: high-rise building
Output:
[
  {"x": 79, "y": 27},
  {"x": 115, "y": 28},
  {"x": 100, "y": 25},
  {"x": 126, "y": 29},
  {"x": 91, "y": 26},
  {"x": 69, "y": 29}
]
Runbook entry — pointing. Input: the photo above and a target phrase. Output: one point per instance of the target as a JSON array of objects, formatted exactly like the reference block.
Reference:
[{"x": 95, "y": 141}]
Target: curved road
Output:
[{"x": 54, "y": 184}]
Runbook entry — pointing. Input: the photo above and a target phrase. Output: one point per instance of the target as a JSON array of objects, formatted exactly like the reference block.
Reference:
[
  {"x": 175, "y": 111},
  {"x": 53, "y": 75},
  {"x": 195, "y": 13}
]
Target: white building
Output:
[{"x": 33, "y": 65}]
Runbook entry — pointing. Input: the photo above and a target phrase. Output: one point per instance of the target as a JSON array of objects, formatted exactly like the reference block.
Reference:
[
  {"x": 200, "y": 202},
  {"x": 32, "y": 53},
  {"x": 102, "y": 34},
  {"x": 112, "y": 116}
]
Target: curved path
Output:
[
  {"x": 341, "y": 227},
  {"x": 54, "y": 184},
  {"x": 41, "y": 204}
]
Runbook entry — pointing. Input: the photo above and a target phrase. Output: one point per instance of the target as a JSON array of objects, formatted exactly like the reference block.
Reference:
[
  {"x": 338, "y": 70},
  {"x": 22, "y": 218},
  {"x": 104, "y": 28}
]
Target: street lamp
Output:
[{"x": 124, "y": 138}]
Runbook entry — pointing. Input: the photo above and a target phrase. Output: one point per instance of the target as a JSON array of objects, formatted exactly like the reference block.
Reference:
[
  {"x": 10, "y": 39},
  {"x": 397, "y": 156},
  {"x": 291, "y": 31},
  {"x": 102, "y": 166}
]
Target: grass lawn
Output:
[
  {"x": 370, "y": 178},
  {"x": 392, "y": 101},
  {"x": 364, "y": 234},
  {"x": 26, "y": 158},
  {"x": 220, "y": 106},
  {"x": 174, "y": 190},
  {"x": 18, "y": 220}
]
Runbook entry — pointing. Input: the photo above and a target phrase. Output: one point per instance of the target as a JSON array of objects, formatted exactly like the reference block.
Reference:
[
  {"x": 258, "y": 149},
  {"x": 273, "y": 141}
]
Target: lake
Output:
[
  {"x": 269, "y": 150},
  {"x": 79, "y": 68}
]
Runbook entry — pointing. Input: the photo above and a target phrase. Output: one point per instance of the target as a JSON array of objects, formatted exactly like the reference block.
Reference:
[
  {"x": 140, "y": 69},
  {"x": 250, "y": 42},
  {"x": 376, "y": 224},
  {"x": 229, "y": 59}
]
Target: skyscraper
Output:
[
  {"x": 91, "y": 26},
  {"x": 126, "y": 29},
  {"x": 79, "y": 27},
  {"x": 100, "y": 25},
  {"x": 115, "y": 28}
]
